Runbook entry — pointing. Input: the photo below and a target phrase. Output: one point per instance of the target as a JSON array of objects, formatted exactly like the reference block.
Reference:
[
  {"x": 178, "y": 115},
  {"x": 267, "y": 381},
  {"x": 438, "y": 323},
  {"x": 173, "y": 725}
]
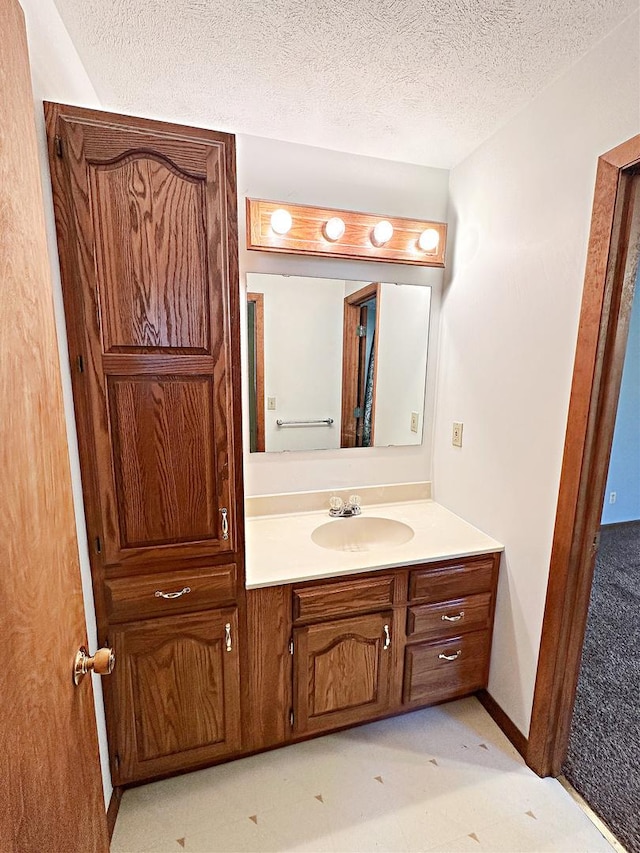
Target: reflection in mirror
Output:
[{"x": 335, "y": 363}]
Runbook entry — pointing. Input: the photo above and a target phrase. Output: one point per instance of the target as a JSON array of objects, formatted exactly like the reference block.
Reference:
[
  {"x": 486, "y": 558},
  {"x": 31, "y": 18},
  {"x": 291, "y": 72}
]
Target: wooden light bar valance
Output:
[{"x": 303, "y": 230}]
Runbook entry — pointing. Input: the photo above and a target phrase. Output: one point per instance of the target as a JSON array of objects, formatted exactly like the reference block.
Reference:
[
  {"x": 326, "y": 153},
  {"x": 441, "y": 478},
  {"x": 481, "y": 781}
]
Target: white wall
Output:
[
  {"x": 299, "y": 173},
  {"x": 402, "y": 358},
  {"x": 58, "y": 75},
  {"x": 522, "y": 203},
  {"x": 303, "y": 359}
]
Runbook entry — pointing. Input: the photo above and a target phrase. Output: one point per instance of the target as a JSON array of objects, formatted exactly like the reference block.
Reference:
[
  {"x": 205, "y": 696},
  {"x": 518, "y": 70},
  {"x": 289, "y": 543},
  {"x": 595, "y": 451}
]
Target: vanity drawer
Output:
[
  {"x": 443, "y": 670},
  {"x": 335, "y": 599},
  {"x": 426, "y": 621},
  {"x": 454, "y": 580},
  {"x": 135, "y": 598}
]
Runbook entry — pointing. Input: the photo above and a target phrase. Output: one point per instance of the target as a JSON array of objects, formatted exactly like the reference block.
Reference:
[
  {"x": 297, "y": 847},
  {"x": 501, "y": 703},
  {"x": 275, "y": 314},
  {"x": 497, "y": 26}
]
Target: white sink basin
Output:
[{"x": 361, "y": 534}]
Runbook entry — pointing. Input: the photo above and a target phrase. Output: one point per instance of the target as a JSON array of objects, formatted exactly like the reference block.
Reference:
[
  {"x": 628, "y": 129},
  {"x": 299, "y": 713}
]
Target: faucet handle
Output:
[
  {"x": 355, "y": 500},
  {"x": 336, "y": 503}
]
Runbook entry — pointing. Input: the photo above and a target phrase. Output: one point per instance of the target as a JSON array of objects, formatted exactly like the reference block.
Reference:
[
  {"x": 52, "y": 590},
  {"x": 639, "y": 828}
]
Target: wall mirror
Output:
[{"x": 335, "y": 363}]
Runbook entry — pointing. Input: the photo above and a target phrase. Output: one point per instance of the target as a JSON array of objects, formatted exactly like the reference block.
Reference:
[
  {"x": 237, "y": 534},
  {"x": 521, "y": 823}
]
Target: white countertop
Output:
[{"x": 280, "y": 549}]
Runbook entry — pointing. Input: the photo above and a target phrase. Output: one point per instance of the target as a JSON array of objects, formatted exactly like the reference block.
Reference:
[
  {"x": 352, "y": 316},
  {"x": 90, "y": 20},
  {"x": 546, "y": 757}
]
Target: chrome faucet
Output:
[{"x": 340, "y": 509}]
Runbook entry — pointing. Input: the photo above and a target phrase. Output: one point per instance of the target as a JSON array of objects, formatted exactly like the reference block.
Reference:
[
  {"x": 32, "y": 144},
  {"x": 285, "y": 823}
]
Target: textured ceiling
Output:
[{"x": 421, "y": 81}]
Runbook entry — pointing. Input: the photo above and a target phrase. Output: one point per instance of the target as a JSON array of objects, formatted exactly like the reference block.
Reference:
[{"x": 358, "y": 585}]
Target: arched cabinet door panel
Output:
[
  {"x": 342, "y": 671},
  {"x": 146, "y": 219},
  {"x": 176, "y": 687}
]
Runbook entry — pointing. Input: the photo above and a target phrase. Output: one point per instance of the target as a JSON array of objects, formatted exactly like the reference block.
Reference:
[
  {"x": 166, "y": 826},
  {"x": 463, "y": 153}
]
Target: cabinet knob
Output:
[{"x": 101, "y": 663}]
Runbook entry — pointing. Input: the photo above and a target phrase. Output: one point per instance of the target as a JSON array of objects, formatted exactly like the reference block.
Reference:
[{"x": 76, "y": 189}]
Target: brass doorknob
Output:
[{"x": 101, "y": 663}]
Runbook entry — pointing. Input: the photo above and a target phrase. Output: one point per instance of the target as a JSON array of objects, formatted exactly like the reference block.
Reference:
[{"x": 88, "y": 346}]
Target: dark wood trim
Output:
[
  {"x": 604, "y": 319},
  {"x": 503, "y": 721},
  {"x": 112, "y": 811},
  {"x": 258, "y": 301}
]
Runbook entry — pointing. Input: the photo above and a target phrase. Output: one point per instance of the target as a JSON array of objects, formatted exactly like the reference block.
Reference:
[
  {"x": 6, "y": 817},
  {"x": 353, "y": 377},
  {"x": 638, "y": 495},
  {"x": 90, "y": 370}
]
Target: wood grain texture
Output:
[
  {"x": 324, "y": 601},
  {"x": 130, "y": 599},
  {"x": 158, "y": 200},
  {"x": 178, "y": 693},
  {"x": 429, "y": 678},
  {"x": 150, "y": 257},
  {"x": 50, "y": 787},
  {"x": 342, "y": 671},
  {"x": 606, "y": 307},
  {"x": 306, "y": 235},
  {"x": 147, "y": 231},
  {"x": 269, "y": 684},
  {"x": 443, "y": 582},
  {"x": 162, "y": 435},
  {"x": 471, "y": 613}
]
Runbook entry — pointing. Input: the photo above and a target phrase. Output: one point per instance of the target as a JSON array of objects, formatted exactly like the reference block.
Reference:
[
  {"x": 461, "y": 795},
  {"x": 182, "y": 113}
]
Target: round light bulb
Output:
[
  {"x": 428, "y": 240},
  {"x": 333, "y": 228},
  {"x": 382, "y": 233},
  {"x": 281, "y": 221}
]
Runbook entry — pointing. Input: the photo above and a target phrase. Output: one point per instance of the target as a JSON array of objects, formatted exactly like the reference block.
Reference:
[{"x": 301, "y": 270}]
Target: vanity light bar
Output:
[{"x": 326, "y": 232}]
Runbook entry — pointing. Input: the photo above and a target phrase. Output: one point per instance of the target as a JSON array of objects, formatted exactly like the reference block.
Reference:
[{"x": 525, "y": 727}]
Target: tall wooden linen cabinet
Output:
[{"x": 147, "y": 230}]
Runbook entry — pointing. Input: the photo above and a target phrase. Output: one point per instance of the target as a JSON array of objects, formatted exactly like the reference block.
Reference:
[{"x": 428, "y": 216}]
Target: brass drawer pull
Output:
[
  {"x": 184, "y": 591},
  {"x": 457, "y": 618},
  {"x": 227, "y": 636},
  {"x": 454, "y": 656},
  {"x": 387, "y": 638}
]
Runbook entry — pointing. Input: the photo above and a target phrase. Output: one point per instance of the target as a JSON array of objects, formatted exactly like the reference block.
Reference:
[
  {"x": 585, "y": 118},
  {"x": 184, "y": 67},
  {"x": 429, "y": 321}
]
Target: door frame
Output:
[
  {"x": 353, "y": 363},
  {"x": 602, "y": 336},
  {"x": 258, "y": 339}
]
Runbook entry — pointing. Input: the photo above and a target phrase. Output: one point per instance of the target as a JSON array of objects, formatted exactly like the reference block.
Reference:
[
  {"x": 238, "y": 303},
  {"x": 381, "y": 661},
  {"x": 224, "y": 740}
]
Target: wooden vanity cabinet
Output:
[
  {"x": 342, "y": 671},
  {"x": 333, "y": 653},
  {"x": 146, "y": 219},
  {"x": 342, "y": 652},
  {"x": 175, "y": 692},
  {"x": 450, "y": 613}
]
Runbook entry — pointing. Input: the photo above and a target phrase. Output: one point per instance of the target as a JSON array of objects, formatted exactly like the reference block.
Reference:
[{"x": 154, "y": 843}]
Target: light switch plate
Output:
[
  {"x": 456, "y": 437},
  {"x": 414, "y": 422},
  {"x": 271, "y": 404}
]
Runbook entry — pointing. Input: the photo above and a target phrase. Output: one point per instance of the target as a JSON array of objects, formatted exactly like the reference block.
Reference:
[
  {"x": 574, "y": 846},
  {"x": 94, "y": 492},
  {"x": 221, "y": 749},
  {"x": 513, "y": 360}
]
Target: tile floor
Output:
[{"x": 442, "y": 779}]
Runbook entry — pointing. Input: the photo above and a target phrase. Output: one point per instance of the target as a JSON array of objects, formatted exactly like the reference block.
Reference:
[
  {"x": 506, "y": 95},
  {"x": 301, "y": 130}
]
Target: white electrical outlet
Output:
[
  {"x": 414, "y": 422},
  {"x": 271, "y": 404},
  {"x": 612, "y": 497},
  {"x": 456, "y": 436}
]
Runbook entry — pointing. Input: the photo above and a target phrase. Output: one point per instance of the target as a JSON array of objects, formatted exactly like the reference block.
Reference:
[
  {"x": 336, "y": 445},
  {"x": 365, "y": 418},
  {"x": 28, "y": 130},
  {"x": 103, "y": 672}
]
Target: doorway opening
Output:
[
  {"x": 604, "y": 741},
  {"x": 255, "y": 338},
  {"x": 610, "y": 278},
  {"x": 359, "y": 366}
]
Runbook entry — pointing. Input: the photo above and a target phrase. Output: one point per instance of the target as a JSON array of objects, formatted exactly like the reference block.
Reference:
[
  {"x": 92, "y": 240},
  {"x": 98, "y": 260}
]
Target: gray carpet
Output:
[{"x": 603, "y": 763}]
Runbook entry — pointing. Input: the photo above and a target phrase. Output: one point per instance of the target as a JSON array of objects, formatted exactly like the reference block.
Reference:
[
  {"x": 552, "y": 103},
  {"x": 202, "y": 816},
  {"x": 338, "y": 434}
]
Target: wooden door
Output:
[
  {"x": 342, "y": 671},
  {"x": 146, "y": 220},
  {"x": 50, "y": 788},
  {"x": 177, "y": 691}
]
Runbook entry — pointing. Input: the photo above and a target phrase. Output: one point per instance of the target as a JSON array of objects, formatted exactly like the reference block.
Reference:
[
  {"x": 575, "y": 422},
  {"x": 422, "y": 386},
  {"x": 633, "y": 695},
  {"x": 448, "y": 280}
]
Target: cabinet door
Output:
[
  {"x": 342, "y": 672},
  {"x": 176, "y": 688},
  {"x": 146, "y": 220}
]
